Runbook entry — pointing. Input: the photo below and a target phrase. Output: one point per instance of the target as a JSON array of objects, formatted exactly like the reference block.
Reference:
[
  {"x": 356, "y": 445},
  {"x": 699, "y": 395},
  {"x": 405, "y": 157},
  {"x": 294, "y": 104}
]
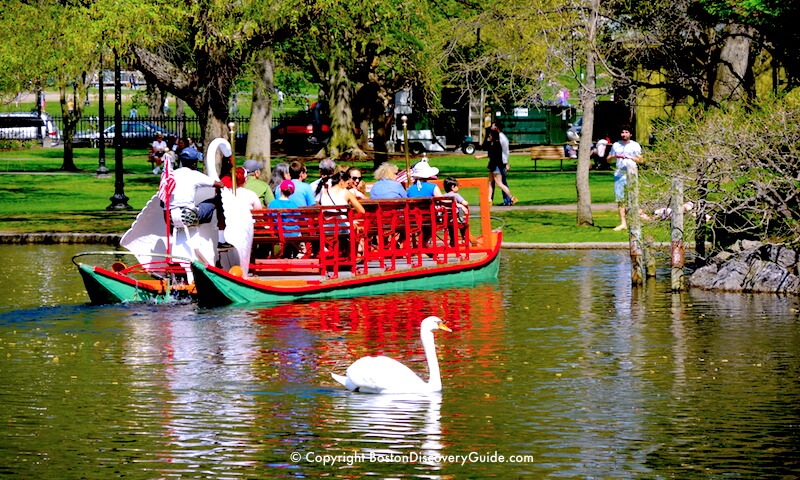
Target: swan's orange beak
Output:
[{"x": 444, "y": 327}]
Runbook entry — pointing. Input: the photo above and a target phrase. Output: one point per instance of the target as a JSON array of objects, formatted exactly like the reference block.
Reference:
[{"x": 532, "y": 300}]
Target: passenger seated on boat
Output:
[
  {"x": 286, "y": 189},
  {"x": 327, "y": 167},
  {"x": 338, "y": 194},
  {"x": 183, "y": 210},
  {"x": 420, "y": 174},
  {"x": 355, "y": 184},
  {"x": 386, "y": 184},
  {"x": 250, "y": 197},
  {"x": 420, "y": 188},
  {"x": 156, "y": 152},
  {"x": 451, "y": 190}
]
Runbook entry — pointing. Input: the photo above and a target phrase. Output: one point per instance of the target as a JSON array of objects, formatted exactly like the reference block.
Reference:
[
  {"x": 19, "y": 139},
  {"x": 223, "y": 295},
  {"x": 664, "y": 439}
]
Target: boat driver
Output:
[{"x": 182, "y": 204}]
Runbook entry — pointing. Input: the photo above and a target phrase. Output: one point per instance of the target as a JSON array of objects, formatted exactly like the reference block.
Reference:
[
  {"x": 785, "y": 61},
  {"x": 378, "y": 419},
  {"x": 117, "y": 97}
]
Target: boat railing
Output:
[{"x": 329, "y": 240}]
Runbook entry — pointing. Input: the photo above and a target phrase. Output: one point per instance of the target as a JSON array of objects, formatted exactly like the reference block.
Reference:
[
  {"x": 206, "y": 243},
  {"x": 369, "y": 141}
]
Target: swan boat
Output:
[{"x": 281, "y": 255}]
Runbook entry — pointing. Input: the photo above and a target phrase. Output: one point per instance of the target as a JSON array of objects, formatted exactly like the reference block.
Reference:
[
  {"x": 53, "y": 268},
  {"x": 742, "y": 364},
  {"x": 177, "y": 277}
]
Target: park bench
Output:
[{"x": 547, "y": 152}]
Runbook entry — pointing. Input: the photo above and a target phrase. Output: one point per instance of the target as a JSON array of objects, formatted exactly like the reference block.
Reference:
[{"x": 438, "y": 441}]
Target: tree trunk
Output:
[
  {"x": 154, "y": 100},
  {"x": 734, "y": 62},
  {"x": 70, "y": 123},
  {"x": 207, "y": 90},
  {"x": 380, "y": 134},
  {"x": 588, "y": 97},
  {"x": 259, "y": 137},
  {"x": 343, "y": 139}
]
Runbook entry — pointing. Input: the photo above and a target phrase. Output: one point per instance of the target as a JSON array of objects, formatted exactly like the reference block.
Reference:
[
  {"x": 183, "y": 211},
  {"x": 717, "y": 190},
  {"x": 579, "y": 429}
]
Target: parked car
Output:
[
  {"x": 29, "y": 126},
  {"x": 135, "y": 134},
  {"x": 296, "y": 133}
]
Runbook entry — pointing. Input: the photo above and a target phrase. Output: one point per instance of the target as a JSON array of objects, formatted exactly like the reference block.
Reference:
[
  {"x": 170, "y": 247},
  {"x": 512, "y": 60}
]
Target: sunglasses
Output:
[{"x": 355, "y": 179}]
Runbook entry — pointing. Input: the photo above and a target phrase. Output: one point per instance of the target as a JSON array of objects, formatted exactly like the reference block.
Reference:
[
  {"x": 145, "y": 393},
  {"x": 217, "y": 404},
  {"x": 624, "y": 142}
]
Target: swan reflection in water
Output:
[{"x": 400, "y": 424}]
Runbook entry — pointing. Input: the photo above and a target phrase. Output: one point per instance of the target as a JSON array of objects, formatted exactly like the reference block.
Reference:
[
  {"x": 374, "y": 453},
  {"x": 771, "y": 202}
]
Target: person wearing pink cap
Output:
[{"x": 286, "y": 189}]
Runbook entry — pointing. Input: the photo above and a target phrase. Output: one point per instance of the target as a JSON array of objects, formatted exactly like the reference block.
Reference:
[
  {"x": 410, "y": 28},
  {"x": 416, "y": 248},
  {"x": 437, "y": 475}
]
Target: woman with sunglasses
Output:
[
  {"x": 356, "y": 184},
  {"x": 338, "y": 194}
]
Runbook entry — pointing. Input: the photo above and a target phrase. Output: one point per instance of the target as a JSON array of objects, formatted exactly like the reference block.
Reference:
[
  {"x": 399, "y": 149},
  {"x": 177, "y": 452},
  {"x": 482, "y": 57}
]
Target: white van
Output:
[{"x": 29, "y": 126}]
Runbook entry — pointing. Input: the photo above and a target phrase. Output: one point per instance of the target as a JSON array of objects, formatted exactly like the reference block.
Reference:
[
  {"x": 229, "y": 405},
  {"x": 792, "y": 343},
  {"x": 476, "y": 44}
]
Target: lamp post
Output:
[
  {"x": 102, "y": 170},
  {"x": 119, "y": 201},
  {"x": 405, "y": 149}
]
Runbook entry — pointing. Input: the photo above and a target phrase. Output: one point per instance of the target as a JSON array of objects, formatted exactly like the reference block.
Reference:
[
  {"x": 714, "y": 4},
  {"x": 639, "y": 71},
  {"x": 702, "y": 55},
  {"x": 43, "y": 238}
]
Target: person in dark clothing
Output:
[{"x": 496, "y": 166}]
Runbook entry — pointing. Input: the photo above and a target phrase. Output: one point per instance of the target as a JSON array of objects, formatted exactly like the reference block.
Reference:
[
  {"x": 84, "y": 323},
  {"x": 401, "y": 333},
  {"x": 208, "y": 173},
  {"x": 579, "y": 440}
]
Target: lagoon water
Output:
[{"x": 558, "y": 370}]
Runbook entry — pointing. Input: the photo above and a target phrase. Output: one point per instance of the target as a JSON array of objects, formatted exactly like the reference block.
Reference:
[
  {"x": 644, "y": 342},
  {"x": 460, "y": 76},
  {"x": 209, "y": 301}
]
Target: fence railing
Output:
[{"x": 179, "y": 125}]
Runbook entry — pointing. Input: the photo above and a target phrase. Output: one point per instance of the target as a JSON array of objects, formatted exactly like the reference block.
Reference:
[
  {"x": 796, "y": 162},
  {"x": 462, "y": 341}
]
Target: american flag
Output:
[
  {"x": 402, "y": 176},
  {"x": 167, "y": 184}
]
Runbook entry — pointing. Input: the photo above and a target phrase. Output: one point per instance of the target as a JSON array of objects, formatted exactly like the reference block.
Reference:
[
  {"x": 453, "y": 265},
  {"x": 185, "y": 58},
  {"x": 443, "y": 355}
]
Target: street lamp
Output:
[
  {"x": 119, "y": 201},
  {"x": 405, "y": 149}
]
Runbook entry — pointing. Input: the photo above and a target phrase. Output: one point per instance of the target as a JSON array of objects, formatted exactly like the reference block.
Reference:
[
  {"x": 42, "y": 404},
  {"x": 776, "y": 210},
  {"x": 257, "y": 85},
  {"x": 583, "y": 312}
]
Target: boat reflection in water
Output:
[
  {"x": 340, "y": 332},
  {"x": 559, "y": 361},
  {"x": 223, "y": 378}
]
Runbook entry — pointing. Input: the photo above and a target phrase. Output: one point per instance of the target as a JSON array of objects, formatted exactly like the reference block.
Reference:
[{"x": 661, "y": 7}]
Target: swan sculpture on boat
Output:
[
  {"x": 385, "y": 375},
  {"x": 147, "y": 239}
]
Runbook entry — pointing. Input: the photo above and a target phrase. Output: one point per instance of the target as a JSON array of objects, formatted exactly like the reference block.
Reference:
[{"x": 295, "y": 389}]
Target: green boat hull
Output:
[
  {"x": 106, "y": 288},
  {"x": 216, "y": 287}
]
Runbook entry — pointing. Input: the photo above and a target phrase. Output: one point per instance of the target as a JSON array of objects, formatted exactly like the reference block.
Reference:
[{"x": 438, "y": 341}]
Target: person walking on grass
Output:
[
  {"x": 626, "y": 153},
  {"x": 504, "y": 145},
  {"x": 494, "y": 149}
]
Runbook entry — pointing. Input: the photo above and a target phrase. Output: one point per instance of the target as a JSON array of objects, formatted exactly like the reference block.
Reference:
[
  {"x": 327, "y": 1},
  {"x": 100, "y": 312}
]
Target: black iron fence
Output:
[
  {"x": 178, "y": 125},
  {"x": 145, "y": 127}
]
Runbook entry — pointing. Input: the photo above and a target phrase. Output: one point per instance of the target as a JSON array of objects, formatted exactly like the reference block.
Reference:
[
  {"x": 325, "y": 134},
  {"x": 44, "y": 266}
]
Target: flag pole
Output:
[
  {"x": 168, "y": 217},
  {"x": 232, "y": 135},
  {"x": 405, "y": 149}
]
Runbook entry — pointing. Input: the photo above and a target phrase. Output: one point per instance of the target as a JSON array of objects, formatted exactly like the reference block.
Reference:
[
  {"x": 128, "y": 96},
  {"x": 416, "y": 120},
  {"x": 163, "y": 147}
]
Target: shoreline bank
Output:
[{"x": 113, "y": 239}]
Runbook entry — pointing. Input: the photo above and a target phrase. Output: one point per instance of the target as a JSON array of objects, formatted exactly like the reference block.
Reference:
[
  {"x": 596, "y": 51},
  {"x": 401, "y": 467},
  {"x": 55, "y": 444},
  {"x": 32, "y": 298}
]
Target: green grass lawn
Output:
[{"x": 38, "y": 197}]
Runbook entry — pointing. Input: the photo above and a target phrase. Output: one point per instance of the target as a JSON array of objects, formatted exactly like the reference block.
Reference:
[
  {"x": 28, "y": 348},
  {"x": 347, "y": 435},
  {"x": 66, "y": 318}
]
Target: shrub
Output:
[{"x": 740, "y": 165}]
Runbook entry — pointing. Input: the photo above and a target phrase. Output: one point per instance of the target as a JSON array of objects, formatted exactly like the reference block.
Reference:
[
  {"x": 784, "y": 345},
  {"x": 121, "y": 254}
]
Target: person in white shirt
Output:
[
  {"x": 626, "y": 153},
  {"x": 250, "y": 197},
  {"x": 187, "y": 181},
  {"x": 157, "y": 150}
]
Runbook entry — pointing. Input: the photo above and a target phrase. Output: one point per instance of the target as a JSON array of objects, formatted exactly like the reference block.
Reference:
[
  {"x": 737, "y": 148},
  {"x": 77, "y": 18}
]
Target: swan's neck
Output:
[{"x": 435, "y": 381}]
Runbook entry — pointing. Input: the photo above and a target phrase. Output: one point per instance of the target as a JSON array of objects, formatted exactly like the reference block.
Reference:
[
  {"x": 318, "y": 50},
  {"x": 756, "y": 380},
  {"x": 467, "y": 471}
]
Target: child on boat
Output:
[
  {"x": 286, "y": 189},
  {"x": 462, "y": 206}
]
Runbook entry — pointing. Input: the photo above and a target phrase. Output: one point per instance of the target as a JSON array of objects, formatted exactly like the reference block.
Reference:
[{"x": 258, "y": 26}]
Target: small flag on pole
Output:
[
  {"x": 167, "y": 184},
  {"x": 402, "y": 176}
]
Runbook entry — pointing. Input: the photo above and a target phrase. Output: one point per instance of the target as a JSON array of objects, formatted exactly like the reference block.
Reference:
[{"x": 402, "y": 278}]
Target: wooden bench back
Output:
[{"x": 547, "y": 152}]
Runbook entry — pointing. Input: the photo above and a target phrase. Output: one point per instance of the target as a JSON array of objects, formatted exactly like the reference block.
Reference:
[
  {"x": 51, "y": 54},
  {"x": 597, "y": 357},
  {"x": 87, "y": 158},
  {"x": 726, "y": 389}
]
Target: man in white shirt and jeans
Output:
[{"x": 627, "y": 153}]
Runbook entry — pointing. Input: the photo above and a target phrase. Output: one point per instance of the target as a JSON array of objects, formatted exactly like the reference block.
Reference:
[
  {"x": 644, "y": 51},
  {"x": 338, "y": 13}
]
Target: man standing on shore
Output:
[{"x": 627, "y": 153}]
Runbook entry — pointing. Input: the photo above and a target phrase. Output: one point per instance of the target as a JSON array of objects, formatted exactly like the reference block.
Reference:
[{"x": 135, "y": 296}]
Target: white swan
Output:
[{"x": 385, "y": 375}]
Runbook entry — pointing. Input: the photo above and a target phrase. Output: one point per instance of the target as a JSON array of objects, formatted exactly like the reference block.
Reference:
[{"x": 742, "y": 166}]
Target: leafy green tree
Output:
[
  {"x": 38, "y": 47},
  {"x": 361, "y": 52},
  {"x": 738, "y": 164},
  {"x": 197, "y": 50},
  {"x": 520, "y": 52}
]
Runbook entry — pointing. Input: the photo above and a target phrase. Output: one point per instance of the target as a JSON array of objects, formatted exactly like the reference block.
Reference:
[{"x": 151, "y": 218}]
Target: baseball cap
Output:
[
  {"x": 287, "y": 187},
  {"x": 253, "y": 165}
]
